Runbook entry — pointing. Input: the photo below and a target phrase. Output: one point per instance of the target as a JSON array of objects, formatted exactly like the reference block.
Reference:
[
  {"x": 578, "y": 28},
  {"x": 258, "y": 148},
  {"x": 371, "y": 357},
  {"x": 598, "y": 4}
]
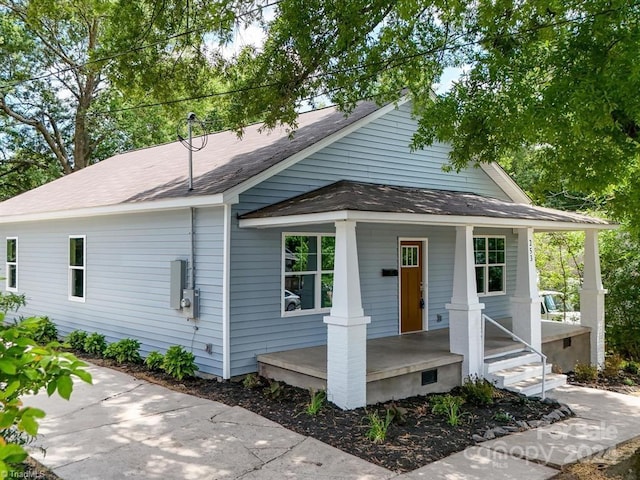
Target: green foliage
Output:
[
  {"x": 274, "y": 390},
  {"x": 613, "y": 363},
  {"x": 179, "y": 363},
  {"x": 154, "y": 361},
  {"x": 11, "y": 302},
  {"x": 126, "y": 350},
  {"x": 629, "y": 382},
  {"x": 449, "y": 406},
  {"x": 316, "y": 402},
  {"x": 631, "y": 367},
  {"x": 503, "y": 417},
  {"x": 46, "y": 331},
  {"x": 251, "y": 381},
  {"x": 76, "y": 339},
  {"x": 477, "y": 391},
  {"x": 26, "y": 368},
  {"x": 378, "y": 426},
  {"x": 585, "y": 372},
  {"x": 95, "y": 344}
]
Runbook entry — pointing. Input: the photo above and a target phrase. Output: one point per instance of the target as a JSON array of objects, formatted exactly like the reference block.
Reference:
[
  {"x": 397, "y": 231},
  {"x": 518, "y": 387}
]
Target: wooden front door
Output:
[{"x": 412, "y": 300}]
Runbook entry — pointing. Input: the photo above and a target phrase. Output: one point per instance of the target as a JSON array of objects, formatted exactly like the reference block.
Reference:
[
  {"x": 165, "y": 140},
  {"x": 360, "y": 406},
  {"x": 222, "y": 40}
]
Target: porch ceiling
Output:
[{"x": 367, "y": 202}]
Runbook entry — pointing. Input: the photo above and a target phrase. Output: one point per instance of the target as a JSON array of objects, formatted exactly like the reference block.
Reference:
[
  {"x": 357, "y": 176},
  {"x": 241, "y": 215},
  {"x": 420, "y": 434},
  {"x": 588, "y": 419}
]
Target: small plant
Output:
[
  {"x": 449, "y": 406},
  {"x": 631, "y": 367},
  {"x": 316, "y": 402},
  {"x": 11, "y": 302},
  {"x": 477, "y": 391},
  {"x": 126, "y": 350},
  {"x": 154, "y": 361},
  {"x": 612, "y": 365},
  {"x": 629, "y": 382},
  {"x": 585, "y": 372},
  {"x": 46, "y": 331},
  {"x": 398, "y": 413},
  {"x": 76, "y": 339},
  {"x": 503, "y": 417},
  {"x": 95, "y": 344},
  {"x": 378, "y": 427},
  {"x": 251, "y": 381},
  {"x": 274, "y": 390},
  {"x": 179, "y": 363}
]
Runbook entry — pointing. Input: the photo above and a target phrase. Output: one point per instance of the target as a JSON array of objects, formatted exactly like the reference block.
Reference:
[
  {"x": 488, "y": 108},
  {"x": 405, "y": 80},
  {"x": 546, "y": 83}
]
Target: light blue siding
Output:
[
  {"x": 377, "y": 153},
  {"x": 127, "y": 278}
]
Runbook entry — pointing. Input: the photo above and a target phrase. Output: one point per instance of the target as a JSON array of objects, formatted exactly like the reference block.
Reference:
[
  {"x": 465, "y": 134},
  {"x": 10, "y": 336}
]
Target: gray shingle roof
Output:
[
  {"x": 356, "y": 196},
  {"x": 160, "y": 172}
]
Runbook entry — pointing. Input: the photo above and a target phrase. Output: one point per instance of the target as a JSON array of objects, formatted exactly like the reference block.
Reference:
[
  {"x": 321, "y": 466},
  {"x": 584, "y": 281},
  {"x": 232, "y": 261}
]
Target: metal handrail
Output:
[{"x": 543, "y": 357}]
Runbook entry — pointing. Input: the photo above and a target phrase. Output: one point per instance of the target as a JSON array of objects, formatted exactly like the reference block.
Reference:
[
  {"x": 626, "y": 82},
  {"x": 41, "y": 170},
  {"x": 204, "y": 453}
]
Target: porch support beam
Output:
[
  {"x": 346, "y": 325},
  {"x": 592, "y": 297},
  {"x": 466, "y": 332},
  {"x": 525, "y": 303}
]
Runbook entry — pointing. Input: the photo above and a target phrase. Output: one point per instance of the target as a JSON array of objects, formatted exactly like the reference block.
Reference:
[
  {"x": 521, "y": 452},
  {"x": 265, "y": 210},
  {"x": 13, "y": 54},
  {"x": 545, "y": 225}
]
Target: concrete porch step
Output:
[
  {"x": 509, "y": 360},
  {"x": 509, "y": 376},
  {"x": 533, "y": 386}
]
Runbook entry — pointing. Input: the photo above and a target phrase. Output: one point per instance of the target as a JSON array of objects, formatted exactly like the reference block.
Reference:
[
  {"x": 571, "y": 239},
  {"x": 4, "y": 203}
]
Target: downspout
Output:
[
  {"x": 226, "y": 279},
  {"x": 192, "y": 259}
]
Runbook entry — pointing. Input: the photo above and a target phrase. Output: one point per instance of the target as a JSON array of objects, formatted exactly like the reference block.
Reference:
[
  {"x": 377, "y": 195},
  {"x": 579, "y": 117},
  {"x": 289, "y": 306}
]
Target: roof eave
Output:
[
  {"x": 507, "y": 184},
  {"x": 121, "y": 208},
  {"x": 417, "y": 219}
]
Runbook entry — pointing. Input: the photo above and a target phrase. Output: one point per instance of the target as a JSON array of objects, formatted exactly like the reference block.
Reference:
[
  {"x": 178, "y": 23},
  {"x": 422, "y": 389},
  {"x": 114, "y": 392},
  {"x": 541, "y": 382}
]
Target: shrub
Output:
[
  {"x": 76, "y": 339},
  {"x": 612, "y": 365},
  {"x": 154, "y": 361},
  {"x": 585, "y": 372},
  {"x": 251, "y": 381},
  {"x": 274, "y": 390},
  {"x": 631, "y": 367},
  {"x": 11, "y": 302},
  {"x": 378, "y": 427},
  {"x": 316, "y": 402},
  {"x": 95, "y": 344},
  {"x": 449, "y": 406},
  {"x": 126, "y": 350},
  {"x": 46, "y": 331},
  {"x": 503, "y": 417},
  {"x": 477, "y": 391},
  {"x": 179, "y": 363}
]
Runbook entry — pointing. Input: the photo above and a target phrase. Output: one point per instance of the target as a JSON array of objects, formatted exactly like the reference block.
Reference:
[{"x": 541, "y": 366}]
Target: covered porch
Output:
[{"x": 422, "y": 362}]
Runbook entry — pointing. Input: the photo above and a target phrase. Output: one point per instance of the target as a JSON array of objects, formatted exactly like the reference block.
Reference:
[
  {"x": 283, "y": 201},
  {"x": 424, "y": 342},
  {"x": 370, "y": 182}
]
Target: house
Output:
[{"x": 368, "y": 239}]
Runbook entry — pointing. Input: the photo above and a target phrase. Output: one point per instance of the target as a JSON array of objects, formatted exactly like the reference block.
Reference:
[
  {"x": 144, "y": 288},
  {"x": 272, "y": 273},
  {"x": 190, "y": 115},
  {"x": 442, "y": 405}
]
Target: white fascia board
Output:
[
  {"x": 121, "y": 208},
  {"x": 415, "y": 219},
  {"x": 506, "y": 183},
  {"x": 316, "y": 147}
]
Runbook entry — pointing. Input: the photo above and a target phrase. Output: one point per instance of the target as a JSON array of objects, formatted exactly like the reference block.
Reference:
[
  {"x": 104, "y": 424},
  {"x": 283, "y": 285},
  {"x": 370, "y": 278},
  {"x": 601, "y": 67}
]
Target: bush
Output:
[
  {"x": 478, "y": 391},
  {"x": 154, "y": 361},
  {"x": 11, "y": 302},
  {"x": 585, "y": 372},
  {"x": 76, "y": 340},
  {"x": 46, "y": 331},
  {"x": 179, "y": 363},
  {"x": 251, "y": 381},
  {"x": 612, "y": 365},
  {"x": 631, "y": 367},
  {"x": 126, "y": 350},
  {"x": 449, "y": 406},
  {"x": 95, "y": 344}
]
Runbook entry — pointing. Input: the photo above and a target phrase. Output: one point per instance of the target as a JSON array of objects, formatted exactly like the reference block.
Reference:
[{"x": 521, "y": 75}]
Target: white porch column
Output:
[
  {"x": 466, "y": 332},
  {"x": 592, "y": 297},
  {"x": 346, "y": 326},
  {"x": 525, "y": 303}
]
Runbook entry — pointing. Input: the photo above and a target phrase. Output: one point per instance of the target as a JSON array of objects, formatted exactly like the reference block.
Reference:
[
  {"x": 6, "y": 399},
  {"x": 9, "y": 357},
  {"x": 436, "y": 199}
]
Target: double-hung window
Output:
[
  {"x": 307, "y": 266},
  {"x": 11, "y": 281},
  {"x": 490, "y": 263},
  {"x": 77, "y": 267}
]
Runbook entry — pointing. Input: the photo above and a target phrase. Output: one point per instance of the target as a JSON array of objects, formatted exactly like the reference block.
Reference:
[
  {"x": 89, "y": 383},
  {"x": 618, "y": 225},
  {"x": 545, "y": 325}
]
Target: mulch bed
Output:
[
  {"x": 422, "y": 438},
  {"x": 620, "y": 382}
]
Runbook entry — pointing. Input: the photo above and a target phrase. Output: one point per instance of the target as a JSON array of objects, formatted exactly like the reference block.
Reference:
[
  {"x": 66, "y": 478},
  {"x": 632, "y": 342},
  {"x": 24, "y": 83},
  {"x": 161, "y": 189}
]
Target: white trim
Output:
[
  {"x": 226, "y": 279},
  {"x": 318, "y": 272},
  {"x": 323, "y": 143},
  {"x": 417, "y": 219},
  {"x": 486, "y": 266},
  {"x": 505, "y": 182},
  {"x": 70, "y": 268},
  {"x": 121, "y": 208},
  {"x": 425, "y": 280},
  {"x": 8, "y": 263}
]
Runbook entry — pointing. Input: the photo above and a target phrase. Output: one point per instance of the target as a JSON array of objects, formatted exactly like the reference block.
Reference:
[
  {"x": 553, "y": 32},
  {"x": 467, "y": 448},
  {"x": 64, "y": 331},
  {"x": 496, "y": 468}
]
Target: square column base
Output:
[
  {"x": 592, "y": 316},
  {"x": 466, "y": 336},
  {"x": 525, "y": 313}
]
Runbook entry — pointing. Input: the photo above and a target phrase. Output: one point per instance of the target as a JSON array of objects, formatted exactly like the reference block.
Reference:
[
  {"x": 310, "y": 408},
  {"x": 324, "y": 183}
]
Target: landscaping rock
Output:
[
  {"x": 489, "y": 435},
  {"x": 512, "y": 428},
  {"x": 522, "y": 424},
  {"x": 478, "y": 438},
  {"x": 498, "y": 431}
]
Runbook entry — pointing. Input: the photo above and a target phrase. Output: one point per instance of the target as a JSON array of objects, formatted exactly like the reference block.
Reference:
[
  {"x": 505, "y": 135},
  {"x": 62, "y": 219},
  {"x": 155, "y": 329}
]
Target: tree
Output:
[
  {"x": 72, "y": 70},
  {"x": 558, "y": 77}
]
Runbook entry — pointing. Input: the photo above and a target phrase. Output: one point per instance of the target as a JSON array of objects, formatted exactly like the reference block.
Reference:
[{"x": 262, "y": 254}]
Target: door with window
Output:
[{"x": 412, "y": 289}]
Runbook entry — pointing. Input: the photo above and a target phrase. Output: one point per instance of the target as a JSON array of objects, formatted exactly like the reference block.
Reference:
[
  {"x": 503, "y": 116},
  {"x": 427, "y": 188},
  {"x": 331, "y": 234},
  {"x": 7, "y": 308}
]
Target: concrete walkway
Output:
[{"x": 122, "y": 427}]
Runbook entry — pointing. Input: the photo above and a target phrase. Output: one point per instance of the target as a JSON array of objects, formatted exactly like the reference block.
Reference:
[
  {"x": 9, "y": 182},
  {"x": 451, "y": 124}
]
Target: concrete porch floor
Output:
[{"x": 404, "y": 356}]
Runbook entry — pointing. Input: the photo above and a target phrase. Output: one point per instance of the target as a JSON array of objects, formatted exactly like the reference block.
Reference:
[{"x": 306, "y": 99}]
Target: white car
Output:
[{"x": 552, "y": 307}]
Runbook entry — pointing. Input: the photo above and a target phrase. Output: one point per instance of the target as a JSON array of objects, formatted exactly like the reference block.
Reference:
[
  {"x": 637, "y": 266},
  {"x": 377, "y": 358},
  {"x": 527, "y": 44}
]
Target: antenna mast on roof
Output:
[{"x": 192, "y": 120}]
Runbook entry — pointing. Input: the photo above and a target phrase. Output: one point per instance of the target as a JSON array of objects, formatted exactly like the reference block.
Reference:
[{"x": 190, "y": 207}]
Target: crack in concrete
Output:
[{"x": 263, "y": 463}]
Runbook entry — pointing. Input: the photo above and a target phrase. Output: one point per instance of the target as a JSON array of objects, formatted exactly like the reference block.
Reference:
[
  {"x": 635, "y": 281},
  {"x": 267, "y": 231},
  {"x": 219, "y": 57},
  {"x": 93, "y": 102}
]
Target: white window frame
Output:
[
  {"x": 75, "y": 267},
  {"x": 486, "y": 266},
  {"x": 318, "y": 274},
  {"x": 8, "y": 264}
]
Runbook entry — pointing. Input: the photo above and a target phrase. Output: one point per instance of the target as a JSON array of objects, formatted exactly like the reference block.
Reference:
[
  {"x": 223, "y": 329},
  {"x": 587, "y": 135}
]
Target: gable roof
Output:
[
  {"x": 348, "y": 196},
  {"x": 156, "y": 178}
]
